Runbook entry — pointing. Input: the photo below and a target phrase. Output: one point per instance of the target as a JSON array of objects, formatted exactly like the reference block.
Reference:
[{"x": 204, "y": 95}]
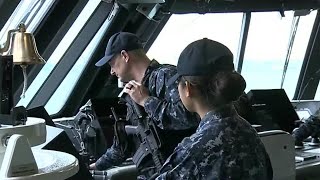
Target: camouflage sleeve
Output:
[
  {"x": 169, "y": 115},
  {"x": 166, "y": 108},
  {"x": 309, "y": 128},
  {"x": 113, "y": 156},
  {"x": 185, "y": 170}
]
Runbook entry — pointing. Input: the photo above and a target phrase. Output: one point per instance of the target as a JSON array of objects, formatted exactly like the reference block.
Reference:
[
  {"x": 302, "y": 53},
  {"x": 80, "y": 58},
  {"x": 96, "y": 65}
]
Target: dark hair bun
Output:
[{"x": 229, "y": 86}]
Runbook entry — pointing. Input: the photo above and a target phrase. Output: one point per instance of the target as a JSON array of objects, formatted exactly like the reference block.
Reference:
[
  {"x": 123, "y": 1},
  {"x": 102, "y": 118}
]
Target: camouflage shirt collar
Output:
[
  {"x": 225, "y": 111},
  {"x": 152, "y": 66}
]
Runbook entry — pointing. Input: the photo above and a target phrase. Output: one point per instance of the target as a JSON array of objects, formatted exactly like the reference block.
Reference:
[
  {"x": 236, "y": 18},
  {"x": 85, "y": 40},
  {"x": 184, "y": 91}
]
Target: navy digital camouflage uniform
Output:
[
  {"x": 225, "y": 146},
  {"x": 164, "y": 107},
  {"x": 311, "y": 127}
]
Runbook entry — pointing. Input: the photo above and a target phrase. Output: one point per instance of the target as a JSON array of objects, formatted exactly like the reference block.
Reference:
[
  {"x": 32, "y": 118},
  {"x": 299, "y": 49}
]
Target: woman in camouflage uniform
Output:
[{"x": 225, "y": 146}]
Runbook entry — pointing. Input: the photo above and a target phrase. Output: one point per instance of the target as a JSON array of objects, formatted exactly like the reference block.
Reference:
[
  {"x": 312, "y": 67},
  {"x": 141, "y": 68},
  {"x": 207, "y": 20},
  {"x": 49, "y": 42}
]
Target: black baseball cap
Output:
[
  {"x": 118, "y": 42},
  {"x": 203, "y": 57}
]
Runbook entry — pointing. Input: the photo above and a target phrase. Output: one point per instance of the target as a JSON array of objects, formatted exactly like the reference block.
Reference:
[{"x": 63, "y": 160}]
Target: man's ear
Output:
[{"x": 125, "y": 55}]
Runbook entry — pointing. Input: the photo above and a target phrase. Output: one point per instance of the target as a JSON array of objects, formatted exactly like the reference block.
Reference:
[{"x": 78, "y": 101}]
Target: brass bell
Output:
[{"x": 24, "y": 49}]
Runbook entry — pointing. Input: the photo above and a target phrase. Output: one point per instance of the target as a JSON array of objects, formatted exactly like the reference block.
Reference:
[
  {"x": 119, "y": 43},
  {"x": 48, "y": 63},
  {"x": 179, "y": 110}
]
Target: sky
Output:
[{"x": 268, "y": 34}]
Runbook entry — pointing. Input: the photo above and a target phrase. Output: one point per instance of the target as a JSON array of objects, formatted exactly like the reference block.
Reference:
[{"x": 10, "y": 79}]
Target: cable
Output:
[{"x": 294, "y": 27}]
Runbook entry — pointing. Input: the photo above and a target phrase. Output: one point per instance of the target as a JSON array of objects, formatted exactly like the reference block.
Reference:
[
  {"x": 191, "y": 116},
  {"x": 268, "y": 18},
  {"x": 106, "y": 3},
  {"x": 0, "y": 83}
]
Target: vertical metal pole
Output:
[
  {"x": 294, "y": 27},
  {"x": 243, "y": 41}
]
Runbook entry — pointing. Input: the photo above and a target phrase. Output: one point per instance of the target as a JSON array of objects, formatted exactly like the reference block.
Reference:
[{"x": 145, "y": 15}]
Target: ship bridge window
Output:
[
  {"x": 65, "y": 88},
  {"x": 317, "y": 96},
  {"x": 29, "y": 12},
  {"x": 57, "y": 55},
  {"x": 267, "y": 47},
  {"x": 180, "y": 30}
]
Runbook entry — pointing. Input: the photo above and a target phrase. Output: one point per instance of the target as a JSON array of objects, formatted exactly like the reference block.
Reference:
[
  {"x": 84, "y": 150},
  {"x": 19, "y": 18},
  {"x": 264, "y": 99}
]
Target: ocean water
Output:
[{"x": 268, "y": 75}]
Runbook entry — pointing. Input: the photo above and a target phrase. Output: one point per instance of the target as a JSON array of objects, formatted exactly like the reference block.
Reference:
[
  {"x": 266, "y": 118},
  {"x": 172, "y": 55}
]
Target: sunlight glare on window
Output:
[{"x": 39, "y": 14}]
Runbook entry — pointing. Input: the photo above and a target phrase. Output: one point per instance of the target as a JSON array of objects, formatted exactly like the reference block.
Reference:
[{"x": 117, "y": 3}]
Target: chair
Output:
[{"x": 280, "y": 148}]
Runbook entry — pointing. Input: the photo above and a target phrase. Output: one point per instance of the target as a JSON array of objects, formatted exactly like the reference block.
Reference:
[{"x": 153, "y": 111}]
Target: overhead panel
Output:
[
  {"x": 210, "y": 6},
  {"x": 139, "y": 1}
]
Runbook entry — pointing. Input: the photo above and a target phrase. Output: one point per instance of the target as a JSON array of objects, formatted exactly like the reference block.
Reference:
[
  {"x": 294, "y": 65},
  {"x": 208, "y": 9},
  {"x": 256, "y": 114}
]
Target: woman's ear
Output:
[
  {"x": 188, "y": 89},
  {"x": 125, "y": 55}
]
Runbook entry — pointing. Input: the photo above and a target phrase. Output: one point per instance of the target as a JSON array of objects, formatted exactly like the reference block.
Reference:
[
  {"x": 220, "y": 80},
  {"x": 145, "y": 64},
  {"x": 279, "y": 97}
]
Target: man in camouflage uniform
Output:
[
  {"x": 311, "y": 127},
  {"x": 147, "y": 86},
  {"x": 225, "y": 146}
]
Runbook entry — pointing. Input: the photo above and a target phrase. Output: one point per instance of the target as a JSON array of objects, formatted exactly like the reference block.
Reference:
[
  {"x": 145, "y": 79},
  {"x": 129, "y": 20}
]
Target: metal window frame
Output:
[
  {"x": 48, "y": 34},
  {"x": 79, "y": 67},
  {"x": 70, "y": 57},
  {"x": 307, "y": 83},
  {"x": 94, "y": 79},
  {"x": 243, "y": 41},
  {"x": 6, "y": 9}
]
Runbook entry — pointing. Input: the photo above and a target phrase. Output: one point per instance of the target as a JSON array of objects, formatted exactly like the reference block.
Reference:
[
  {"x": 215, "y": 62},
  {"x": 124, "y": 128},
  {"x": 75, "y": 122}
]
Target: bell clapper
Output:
[{"x": 25, "y": 80}]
